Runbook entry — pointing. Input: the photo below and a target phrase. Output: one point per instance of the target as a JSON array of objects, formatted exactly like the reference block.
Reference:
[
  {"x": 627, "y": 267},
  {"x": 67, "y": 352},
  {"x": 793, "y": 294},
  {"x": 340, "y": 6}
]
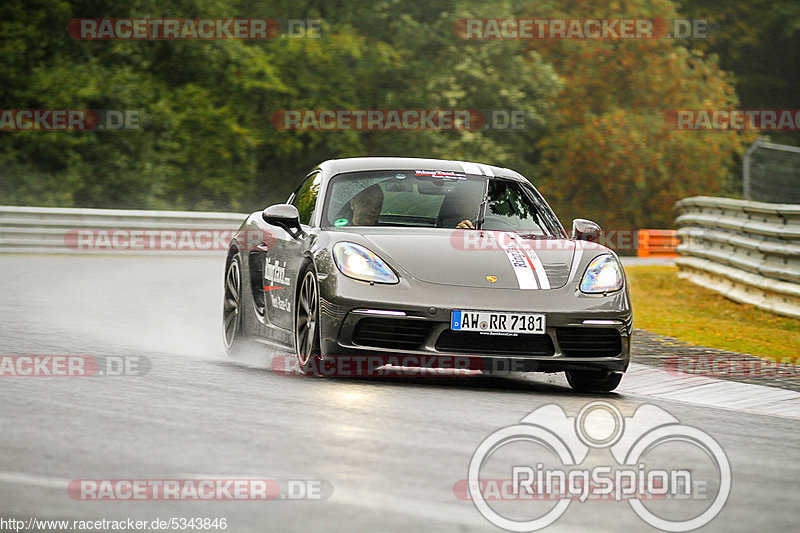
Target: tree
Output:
[
  {"x": 759, "y": 43},
  {"x": 610, "y": 154}
]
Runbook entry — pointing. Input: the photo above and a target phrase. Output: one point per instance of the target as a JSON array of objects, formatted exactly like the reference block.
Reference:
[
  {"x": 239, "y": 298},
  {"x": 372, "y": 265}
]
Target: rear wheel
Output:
[
  {"x": 306, "y": 324},
  {"x": 586, "y": 381},
  {"x": 232, "y": 308}
]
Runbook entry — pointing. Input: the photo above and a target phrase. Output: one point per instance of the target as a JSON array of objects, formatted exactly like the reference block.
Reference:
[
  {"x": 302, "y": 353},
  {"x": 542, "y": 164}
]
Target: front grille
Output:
[
  {"x": 394, "y": 333},
  {"x": 589, "y": 342},
  {"x": 477, "y": 343}
]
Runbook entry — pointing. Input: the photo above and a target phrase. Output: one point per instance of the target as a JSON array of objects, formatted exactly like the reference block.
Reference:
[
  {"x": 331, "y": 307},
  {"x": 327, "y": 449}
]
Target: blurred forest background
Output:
[{"x": 597, "y": 146}]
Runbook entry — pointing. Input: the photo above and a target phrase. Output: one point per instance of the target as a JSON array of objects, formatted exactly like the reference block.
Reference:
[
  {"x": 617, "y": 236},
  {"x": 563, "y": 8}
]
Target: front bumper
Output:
[{"x": 417, "y": 307}]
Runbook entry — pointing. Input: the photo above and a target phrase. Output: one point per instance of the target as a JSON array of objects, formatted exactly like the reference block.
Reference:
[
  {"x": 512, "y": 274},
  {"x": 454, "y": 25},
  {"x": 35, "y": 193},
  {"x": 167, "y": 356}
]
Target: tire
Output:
[
  {"x": 306, "y": 324},
  {"x": 585, "y": 381},
  {"x": 232, "y": 334}
]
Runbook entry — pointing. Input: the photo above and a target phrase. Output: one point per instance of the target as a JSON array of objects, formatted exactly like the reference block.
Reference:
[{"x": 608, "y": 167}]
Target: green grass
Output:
[{"x": 668, "y": 305}]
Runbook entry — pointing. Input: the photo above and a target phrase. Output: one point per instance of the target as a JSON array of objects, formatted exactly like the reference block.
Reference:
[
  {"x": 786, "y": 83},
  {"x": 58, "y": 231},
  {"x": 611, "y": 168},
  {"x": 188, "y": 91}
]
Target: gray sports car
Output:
[{"x": 427, "y": 263}]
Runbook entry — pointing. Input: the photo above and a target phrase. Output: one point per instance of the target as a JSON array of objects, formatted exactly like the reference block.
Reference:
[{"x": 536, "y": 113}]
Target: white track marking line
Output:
[
  {"x": 702, "y": 390},
  {"x": 19, "y": 478}
]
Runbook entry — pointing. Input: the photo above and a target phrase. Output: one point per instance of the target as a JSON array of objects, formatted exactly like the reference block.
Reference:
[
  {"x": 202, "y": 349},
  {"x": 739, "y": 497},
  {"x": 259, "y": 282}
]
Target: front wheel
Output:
[
  {"x": 585, "y": 381},
  {"x": 232, "y": 334},
  {"x": 306, "y": 324}
]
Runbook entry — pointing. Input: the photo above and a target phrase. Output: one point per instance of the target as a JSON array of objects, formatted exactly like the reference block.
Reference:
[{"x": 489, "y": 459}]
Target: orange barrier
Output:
[{"x": 657, "y": 242}]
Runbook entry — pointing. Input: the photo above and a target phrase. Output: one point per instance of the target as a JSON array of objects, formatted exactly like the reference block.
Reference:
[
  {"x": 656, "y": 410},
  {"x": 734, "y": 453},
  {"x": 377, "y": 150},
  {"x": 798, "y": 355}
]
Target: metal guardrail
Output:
[
  {"x": 114, "y": 231},
  {"x": 749, "y": 251},
  {"x": 771, "y": 173}
]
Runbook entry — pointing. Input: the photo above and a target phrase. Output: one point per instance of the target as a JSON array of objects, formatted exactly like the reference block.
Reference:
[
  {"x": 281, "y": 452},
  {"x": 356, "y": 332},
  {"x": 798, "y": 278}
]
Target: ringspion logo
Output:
[{"x": 545, "y": 458}]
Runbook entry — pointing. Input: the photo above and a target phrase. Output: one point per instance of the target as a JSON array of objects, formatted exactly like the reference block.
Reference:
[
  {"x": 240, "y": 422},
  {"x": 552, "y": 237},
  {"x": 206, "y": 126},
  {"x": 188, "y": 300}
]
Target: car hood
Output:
[{"x": 470, "y": 258}]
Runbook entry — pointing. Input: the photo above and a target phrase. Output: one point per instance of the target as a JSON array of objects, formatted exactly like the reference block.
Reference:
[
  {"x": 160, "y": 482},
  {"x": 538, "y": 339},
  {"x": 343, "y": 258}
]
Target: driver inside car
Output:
[
  {"x": 465, "y": 224},
  {"x": 367, "y": 206}
]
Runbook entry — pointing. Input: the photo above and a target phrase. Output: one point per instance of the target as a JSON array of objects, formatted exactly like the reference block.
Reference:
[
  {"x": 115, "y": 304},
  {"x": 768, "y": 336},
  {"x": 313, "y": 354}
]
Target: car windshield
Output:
[{"x": 437, "y": 199}]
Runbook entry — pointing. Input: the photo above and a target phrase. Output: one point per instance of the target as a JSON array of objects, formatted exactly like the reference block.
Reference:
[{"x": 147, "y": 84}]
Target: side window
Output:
[
  {"x": 509, "y": 206},
  {"x": 305, "y": 197}
]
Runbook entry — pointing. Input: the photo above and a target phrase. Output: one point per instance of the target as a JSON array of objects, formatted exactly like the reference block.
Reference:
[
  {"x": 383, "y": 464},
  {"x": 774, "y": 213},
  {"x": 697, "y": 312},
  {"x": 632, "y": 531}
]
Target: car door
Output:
[{"x": 284, "y": 259}]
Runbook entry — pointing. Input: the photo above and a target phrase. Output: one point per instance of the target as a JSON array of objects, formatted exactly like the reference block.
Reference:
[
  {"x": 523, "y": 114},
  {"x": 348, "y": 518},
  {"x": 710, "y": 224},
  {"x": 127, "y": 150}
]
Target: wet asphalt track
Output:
[{"x": 392, "y": 449}]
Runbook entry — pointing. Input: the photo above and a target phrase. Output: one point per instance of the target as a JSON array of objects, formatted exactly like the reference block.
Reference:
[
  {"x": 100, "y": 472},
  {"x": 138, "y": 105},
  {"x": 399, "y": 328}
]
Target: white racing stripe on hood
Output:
[
  {"x": 526, "y": 264},
  {"x": 486, "y": 170},
  {"x": 538, "y": 267},
  {"x": 577, "y": 255},
  {"x": 471, "y": 168}
]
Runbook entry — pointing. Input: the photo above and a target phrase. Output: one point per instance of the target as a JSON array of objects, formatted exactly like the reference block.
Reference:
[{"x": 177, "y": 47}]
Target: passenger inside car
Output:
[{"x": 456, "y": 210}]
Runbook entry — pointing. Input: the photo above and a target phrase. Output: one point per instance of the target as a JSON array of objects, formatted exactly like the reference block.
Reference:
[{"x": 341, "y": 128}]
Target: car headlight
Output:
[
  {"x": 357, "y": 262},
  {"x": 602, "y": 275}
]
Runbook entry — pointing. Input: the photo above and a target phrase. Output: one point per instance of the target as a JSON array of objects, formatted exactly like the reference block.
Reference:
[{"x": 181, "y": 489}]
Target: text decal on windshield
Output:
[{"x": 444, "y": 174}]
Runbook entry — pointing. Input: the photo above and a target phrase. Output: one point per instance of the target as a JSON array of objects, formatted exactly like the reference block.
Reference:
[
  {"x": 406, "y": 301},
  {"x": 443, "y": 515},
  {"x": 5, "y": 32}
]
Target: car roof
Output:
[{"x": 356, "y": 164}]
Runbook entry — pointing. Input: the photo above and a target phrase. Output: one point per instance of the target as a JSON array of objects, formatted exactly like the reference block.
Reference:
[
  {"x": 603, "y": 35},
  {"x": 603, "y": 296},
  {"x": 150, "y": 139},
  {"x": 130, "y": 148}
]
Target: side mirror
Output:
[
  {"x": 585, "y": 230},
  {"x": 284, "y": 216}
]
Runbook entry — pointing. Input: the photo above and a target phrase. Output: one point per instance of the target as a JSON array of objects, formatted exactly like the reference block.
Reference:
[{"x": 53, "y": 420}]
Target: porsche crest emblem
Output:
[{"x": 491, "y": 279}]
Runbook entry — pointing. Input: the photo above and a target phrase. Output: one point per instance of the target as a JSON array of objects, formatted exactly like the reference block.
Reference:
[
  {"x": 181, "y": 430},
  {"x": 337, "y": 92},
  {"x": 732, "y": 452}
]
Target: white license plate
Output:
[{"x": 497, "y": 322}]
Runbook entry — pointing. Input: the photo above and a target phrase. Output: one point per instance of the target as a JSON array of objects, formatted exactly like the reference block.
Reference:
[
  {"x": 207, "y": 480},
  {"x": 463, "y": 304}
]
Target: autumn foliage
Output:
[{"x": 610, "y": 155}]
